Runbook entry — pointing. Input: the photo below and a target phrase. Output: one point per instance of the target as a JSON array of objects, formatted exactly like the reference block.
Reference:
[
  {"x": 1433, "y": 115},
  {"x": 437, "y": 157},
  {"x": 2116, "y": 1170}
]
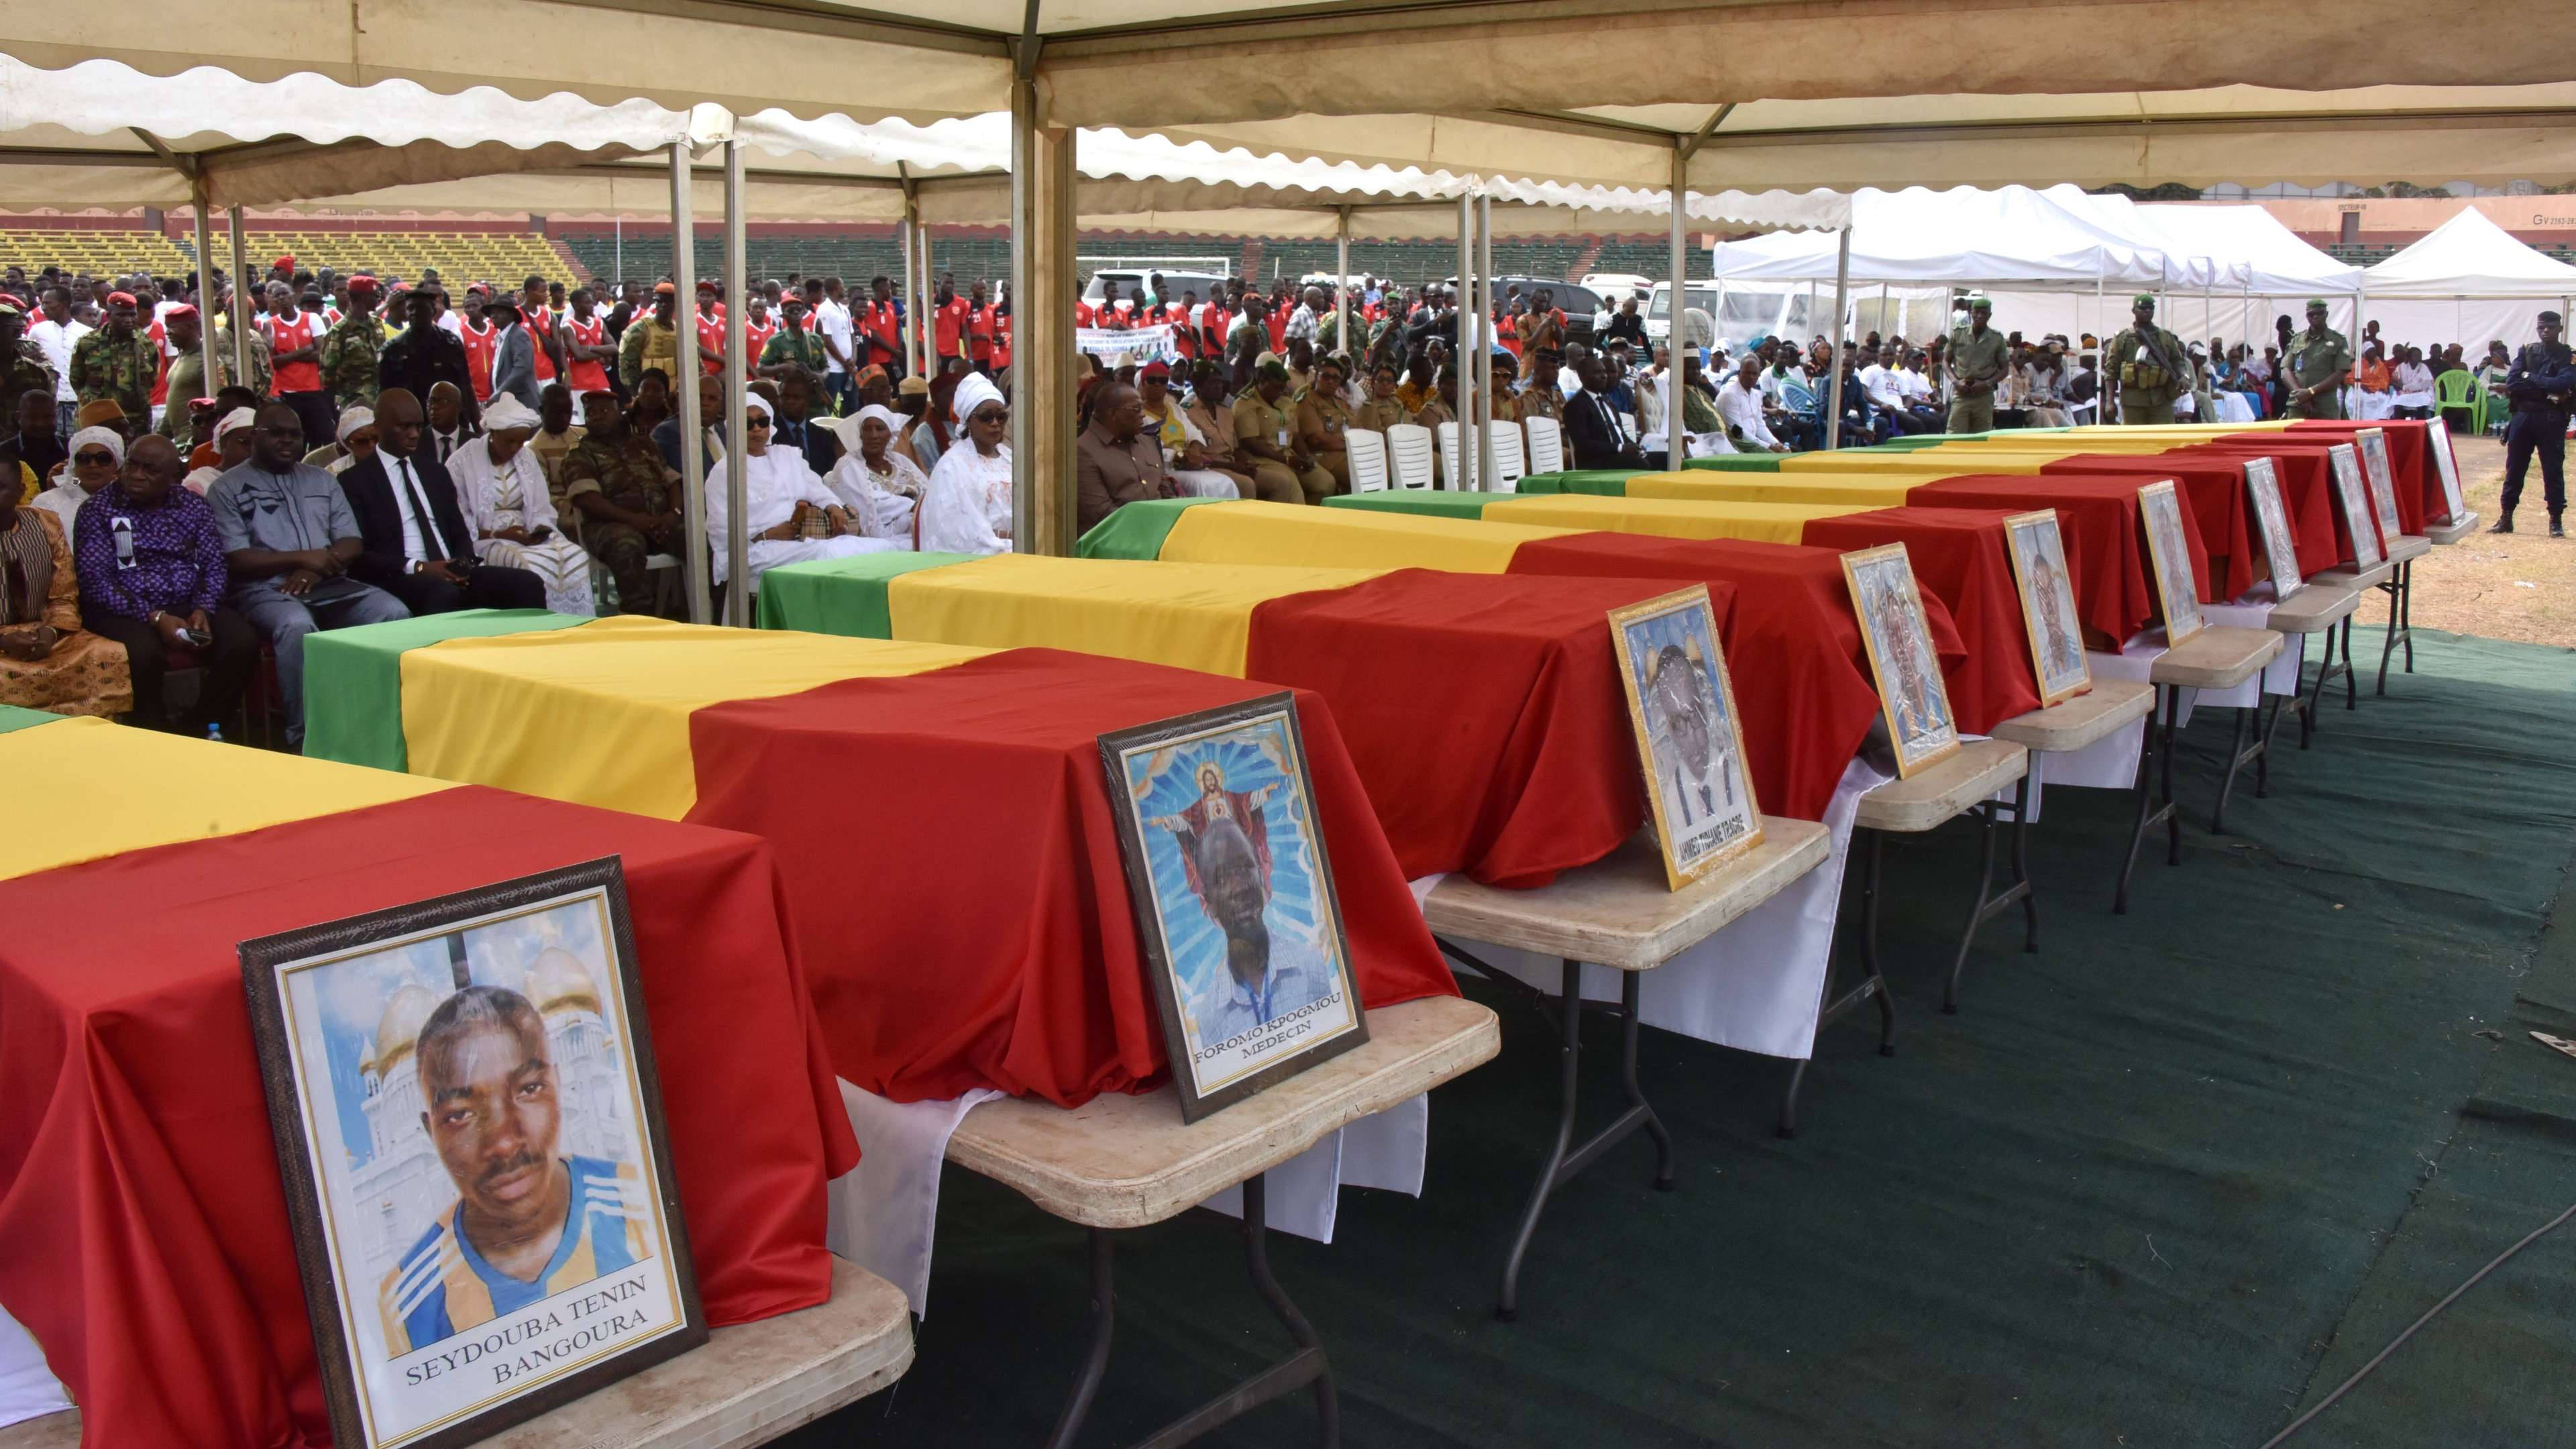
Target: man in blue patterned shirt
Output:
[{"x": 152, "y": 578}]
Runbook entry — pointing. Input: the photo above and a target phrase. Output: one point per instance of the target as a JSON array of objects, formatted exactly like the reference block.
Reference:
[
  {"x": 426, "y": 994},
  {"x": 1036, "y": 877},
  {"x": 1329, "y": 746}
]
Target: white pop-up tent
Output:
[
  {"x": 2284, "y": 272},
  {"x": 2466, "y": 281}
]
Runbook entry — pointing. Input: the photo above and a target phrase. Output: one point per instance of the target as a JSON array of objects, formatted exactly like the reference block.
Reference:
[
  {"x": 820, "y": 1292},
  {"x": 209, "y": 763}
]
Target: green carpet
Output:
[{"x": 2160, "y": 1184}]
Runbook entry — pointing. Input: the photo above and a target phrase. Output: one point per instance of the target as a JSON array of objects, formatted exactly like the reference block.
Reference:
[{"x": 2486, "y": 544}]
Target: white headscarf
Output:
[
  {"x": 353, "y": 419},
  {"x": 505, "y": 412},
  {"x": 104, "y": 437},
  {"x": 237, "y": 418},
  {"x": 973, "y": 391},
  {"x": 847, "y": 429}
]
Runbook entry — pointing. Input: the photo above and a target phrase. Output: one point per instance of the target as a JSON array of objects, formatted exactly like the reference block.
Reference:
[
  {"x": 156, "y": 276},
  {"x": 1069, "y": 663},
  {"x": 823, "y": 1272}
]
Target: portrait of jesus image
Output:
[
  {"x": 1224, "y": 842},
  {"x": 529, "y": 1219}
]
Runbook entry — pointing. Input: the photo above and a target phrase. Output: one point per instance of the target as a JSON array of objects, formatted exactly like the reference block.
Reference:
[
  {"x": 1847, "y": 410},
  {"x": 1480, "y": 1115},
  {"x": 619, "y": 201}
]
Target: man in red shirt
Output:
[
  {"x": 586, "y": 346},
  {"x": 948, "y": 328},
  {"x": 881, "y": 317},
  {"x": 980, "y": 331},
  {"x": 1002, "y": 330},
  {"x": 710, "y": 320},
  {"x": 479, "y": 337},
  {"x": 295, "y": 350},
  {"x": 757, "y": 326},
  {"x": 539, "y": 319},
  {"x": 1084, "y": 314}
]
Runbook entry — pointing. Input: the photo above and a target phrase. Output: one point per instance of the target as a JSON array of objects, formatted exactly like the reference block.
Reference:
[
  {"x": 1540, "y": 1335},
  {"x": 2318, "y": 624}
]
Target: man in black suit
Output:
[
  {"x": 425, "y": 355},
  {"x": 415, "y": 544},
  {"x": 1594, "y": 429}
]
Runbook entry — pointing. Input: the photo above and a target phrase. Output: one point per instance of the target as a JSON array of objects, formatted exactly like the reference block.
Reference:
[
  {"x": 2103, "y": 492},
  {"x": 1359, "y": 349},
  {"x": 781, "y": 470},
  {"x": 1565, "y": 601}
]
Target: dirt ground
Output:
[{"x": 2520, "y": 586}]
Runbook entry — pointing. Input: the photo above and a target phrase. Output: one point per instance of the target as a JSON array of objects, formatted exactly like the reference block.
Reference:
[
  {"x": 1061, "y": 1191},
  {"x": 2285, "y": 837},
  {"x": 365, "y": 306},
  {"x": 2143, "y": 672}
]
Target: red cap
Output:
[
  {"x": 1155, "y": 368},
  {"x": 287, "y": 262},
  {"x": 665, "y": 289},
  {"x": 126, "y": 297},
  {"x": 184, "y": 309},
  {"x": 362, "y": 285}
]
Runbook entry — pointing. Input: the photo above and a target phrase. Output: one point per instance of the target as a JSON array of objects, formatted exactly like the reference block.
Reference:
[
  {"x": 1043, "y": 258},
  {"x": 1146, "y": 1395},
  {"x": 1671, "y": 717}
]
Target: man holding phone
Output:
[{"x": 152, "y": 578}]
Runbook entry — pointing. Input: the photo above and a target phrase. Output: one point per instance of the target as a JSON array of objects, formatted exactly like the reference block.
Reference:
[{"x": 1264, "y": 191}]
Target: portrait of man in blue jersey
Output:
[{"x": 529, "y": 1219}]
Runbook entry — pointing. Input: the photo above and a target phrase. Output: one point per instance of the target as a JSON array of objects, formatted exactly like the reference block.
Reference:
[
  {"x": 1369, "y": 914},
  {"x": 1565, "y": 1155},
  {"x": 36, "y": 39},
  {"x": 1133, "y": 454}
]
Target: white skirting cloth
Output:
[
  {"x": 884, "y": 1213},
  {"x": 2281, "y": 676},
  {"x": 1755, "y": 986},
  {"x": 28, "y": 1389},
  {"x": 1205, "y": 483},
  {"x": 559, "y": 562}
]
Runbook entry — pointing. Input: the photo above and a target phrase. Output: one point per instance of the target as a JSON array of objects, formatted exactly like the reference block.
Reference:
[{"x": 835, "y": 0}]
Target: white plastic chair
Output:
[
  {"x": 1408, "y": 450},
  {"x": 1367, "y": 459},
  {"x": 1449, "y": 456},
  {"x": 1510, "y": 466},
  {"x": 1546, "y": 445}
]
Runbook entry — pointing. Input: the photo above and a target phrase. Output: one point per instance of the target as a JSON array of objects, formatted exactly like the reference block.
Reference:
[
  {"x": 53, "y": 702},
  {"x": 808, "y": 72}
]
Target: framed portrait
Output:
[
  {"x": 2352, "y": 495},
  {"x": 1233, "y": 892},
  {"x": 2048, "y": 606},
  {"x": 1690, "y": 742},
  {"x": 2382, "y": 479},
  {"x": 471, "y": 1135},
  {"x": 2161, "y": 508},
  {"x": 2437, "y": 436},
  {"x": 2272, "y": 516},
  {"x": 1914, "y": 701}
]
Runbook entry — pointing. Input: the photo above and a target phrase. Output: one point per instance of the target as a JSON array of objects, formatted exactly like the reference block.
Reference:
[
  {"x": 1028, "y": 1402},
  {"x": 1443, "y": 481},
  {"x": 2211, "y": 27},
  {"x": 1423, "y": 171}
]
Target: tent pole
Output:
[
  {"x": 205, "y": 292},
  {"x": 693, "y": 463},
  {"x": 909, "y": 229},
  {"x": 1341, "y": 285},
  {"x": 2101, "y": 346},
  {"x": 619, "y": 223},
  {"x": 240, "y": 280},
  {"x": 1463, "y": 362},
  {"x": 1042, "y": 179},
  {"x": 1834, "y": 344},
  {"x": 737, "y": 449},
  {"x": 1485, "y": 470},
  {"x": 1677, "y": 332}
]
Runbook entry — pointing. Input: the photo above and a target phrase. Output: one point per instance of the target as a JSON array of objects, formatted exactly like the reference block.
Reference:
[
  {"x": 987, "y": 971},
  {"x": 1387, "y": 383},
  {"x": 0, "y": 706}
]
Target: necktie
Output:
[
  {"x": 446, "y": 446},
  {"x": 429, "y": 543}
]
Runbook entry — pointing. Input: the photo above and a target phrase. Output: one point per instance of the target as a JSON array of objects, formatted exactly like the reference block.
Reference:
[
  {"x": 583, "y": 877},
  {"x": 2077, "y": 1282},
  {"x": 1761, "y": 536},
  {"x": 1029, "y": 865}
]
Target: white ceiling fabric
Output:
[{"x": 2011, "y": 236}]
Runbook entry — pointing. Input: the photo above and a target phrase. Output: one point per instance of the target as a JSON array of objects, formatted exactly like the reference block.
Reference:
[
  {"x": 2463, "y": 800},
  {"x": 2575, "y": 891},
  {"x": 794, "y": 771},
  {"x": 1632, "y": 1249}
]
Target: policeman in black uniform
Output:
[{"x": 2542, "y": 389}]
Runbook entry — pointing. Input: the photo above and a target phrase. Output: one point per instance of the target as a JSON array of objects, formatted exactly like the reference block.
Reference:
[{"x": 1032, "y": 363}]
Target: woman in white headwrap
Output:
[
  {"x": 881, "y": 487},
  {"x": 357, "y": 440},
  {"x": 790, "y": 515},
  {"x": 233, "y": 439},
  {"x": 501, "y": 490},
  {"x": 967, "y": 508},
  {"x": 96, "y": 456}
]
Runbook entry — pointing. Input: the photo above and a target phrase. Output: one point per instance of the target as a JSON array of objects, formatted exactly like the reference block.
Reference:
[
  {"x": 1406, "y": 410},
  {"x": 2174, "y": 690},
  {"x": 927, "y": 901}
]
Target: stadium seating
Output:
[
  {"x": 97, "y": 253},
  {"x": 503, "y": 257},
  {"x": 1649, "y": 258}
]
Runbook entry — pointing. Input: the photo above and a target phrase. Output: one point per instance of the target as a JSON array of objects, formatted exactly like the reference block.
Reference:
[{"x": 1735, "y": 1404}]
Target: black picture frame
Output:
[
  {"x": 263, "y": 960},
  {"x": 1243, "y": 720}
]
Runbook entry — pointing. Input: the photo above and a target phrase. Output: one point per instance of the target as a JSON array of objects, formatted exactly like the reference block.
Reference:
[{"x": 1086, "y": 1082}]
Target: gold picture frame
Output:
[
  {"x": 2177, "y": 589},
  {"x": 2048, "y": 613},
  {"x": 2437, "y": 436},
  {"x": 1672, "y": 670},
  {"x": 1913, "y": 698}
]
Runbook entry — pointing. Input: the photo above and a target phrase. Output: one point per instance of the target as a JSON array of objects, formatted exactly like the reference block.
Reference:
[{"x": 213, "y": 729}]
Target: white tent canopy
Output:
[
  {"x": 1962, "y": 237},
  {"x": 2469, "y": 256},
  {"x": 2277, "y": 262}
]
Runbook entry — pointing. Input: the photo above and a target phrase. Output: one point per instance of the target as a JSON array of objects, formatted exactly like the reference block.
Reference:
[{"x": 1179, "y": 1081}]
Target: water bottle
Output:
[{"x": 214, "y": 732}]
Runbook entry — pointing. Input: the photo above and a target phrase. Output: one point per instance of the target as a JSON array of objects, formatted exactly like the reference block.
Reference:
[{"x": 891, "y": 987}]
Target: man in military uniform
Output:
[
  {"x": 1266, "y": 436},
  {"x": 424, "y": 354},
  {"x": 29, "y": 368},
  {"x": 352, "y": 349},
  {"x": 117, "y": 363},
  {"x": 2318, "y": 361},
  {"x": 2145, "y": 368},
  {"x": 628, "y": 505},
  {"x": 2541, "y": 387},
  {"x": 792, "y": 347},
  {"x": 188, "y": 377},
  {"x": 1979, "y": 358}
]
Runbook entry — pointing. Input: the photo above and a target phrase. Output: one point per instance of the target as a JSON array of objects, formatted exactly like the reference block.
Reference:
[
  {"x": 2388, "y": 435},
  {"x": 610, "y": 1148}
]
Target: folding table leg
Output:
[
  {"x": 2351, "y": 681},
  {"x": 1830, "y": 1007},
  {"x": 2239, "y": 754},
  {"x": 2407, "y": 631},
  {"x": 1306, "y": 1366},
  {"x": 2316, "y": 697},
  {"x": 2154, "y": 756},
  {"x": 1989, "y": 904},
  {"x": 2165, "y": 792},
  {"x": 2396, "y": 587},
  {"x": 1564, "y": 1159},
  {"x": 2021, "y": 864}
]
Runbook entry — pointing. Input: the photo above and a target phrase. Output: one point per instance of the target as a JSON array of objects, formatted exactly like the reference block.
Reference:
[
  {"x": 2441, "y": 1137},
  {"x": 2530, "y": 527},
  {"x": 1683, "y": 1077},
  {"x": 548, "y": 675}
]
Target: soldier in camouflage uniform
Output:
[
  {"x": 28, "y": 367},
  {"x": 188, "y": 379},
  {"x": 351, "y": 349},
  {"x": 118, "y": 362},
  {"x": 615, "y": 483},
  {"x": 2146, "y": 367},
  {"x": 2319, "y": 361}
]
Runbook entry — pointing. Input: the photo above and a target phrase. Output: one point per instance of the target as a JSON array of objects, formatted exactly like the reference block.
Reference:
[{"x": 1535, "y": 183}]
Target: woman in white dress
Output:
[
  {"x": 791, "y": 516},
  {"x": 501, "y": 489},
  {"x": 881, "y": 487},
  {"x": 968, "y": 506}
]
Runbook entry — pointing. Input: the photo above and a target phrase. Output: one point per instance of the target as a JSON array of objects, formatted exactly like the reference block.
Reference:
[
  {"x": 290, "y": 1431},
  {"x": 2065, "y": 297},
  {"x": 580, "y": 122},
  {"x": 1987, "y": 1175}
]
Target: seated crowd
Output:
[{"x": 156, "y": 517}]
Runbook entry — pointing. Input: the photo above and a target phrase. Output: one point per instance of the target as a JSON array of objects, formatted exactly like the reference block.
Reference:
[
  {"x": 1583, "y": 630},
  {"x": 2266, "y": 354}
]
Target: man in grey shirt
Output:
[{"x": 288, "y": 536}]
